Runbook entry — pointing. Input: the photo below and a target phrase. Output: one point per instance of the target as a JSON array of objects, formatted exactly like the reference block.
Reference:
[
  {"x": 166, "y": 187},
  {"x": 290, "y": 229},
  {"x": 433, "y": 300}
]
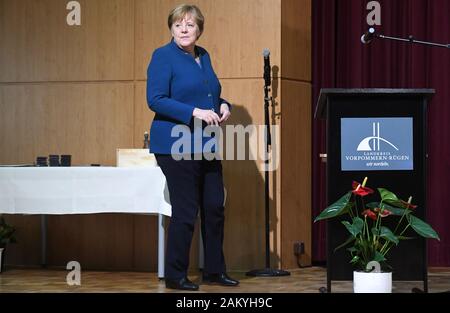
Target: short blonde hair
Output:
[{"x": 182, "y": 10}]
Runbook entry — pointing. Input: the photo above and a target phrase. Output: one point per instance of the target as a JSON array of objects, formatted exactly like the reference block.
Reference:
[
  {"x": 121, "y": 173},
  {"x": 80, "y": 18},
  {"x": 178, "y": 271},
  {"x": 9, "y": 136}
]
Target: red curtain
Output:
[{"x": 340, "y": 60}]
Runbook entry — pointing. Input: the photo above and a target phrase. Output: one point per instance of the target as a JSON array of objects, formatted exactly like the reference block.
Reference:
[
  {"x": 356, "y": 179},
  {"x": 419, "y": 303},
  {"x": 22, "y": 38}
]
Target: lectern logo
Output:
[
  {"x": 372, "y": 143},
  {"x": 377, "y": 144}
]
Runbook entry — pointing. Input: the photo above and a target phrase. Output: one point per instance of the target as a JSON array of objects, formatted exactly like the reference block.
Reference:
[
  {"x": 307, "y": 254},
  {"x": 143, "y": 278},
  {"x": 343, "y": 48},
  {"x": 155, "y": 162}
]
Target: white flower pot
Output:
[{"x": 372, "y": 282}]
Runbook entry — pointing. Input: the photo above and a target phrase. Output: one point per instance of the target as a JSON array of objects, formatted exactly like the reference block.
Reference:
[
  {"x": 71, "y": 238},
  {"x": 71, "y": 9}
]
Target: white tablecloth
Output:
[{"x": 81, "y": 190}]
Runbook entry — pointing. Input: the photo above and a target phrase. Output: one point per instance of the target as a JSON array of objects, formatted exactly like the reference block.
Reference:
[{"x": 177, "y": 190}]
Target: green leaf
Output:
[
  {"x": 422, "y": 228},
  {"x": 394, "y": 210},
  {"x": 373, "y": 205},
  {"x": 375, "y": 231},
  {"x": 387, "y": 195},
  {"x": 398, "y": 203},
  {"x": 6, "y": 232},
  {"x": 365, "y": 247},
  {"x": 354, "y": 260},
  {"x": 390, "y": 202},
  {"x": 338, "y": 208},
  {"x": 379, "y": 257},
  {"x": 348, "y": 241},
  {"x": 356, "y": 227},
  {"x": 387, "y": 234}
]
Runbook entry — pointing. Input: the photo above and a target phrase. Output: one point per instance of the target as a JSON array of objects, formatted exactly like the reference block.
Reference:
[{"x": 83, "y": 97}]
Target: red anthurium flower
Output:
[
  {"x": 359, "y": 190},
  {"x": 370, "y": 214},
  {"x": 383, "y": 213}
]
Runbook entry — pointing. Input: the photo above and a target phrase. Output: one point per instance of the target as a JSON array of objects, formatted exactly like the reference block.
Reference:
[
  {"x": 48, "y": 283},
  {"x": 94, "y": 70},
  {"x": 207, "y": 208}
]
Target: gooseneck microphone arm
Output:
[{"x": 410, "y": 39}]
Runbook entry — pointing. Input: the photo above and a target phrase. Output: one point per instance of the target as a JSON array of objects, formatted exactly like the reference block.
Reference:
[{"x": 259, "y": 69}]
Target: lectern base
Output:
[{"x": 268, "y": 272}]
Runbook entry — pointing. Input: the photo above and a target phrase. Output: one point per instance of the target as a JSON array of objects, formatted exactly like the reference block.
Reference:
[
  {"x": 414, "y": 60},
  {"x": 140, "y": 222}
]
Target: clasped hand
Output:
[{"x": 211, "y": 117}]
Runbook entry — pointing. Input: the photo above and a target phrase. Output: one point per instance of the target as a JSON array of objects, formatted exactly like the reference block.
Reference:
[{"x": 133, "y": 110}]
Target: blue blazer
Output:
[{"x": 176, "y": 84}]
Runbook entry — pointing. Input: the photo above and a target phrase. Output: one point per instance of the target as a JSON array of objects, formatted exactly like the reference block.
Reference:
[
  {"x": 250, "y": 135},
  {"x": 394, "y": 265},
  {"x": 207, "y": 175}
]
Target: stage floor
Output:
[{"x": 307, "y": 280}]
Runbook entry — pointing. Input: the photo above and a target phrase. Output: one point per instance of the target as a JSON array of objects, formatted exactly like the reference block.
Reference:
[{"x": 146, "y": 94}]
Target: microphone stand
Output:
[
  {"x": 411, "y": 39},
  {"x": 267, "y": 271}
]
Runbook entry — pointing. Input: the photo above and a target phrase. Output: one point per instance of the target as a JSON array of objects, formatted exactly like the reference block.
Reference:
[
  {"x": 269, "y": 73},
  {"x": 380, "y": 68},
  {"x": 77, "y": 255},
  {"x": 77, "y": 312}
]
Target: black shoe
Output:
[
  {"x": 221, "y": 279},
  {"x": 182, "y": 284}
]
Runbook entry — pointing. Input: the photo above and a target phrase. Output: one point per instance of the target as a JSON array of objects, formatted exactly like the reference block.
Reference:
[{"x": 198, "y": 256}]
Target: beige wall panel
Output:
[
  {"x": 145, "y": 253},
  {"x": 27, "y": 250},
  {"x": 88, "y": 121},
  {"x": 104, "y": 241},
  {"x": 296, "y": 39},
  {"x": 235, "y": 34},
  {"x": 91, "y": 120},
  {"x": 275, "y": 187},
  {"x": 296, "y": 172},
  {"x": 37, "y": 44},
  {"x": 244, "y": 181},
  {"x": 97, "y": 241},
  {"x": 146, "y": 232},
  {"x": 143, "y": 116}
]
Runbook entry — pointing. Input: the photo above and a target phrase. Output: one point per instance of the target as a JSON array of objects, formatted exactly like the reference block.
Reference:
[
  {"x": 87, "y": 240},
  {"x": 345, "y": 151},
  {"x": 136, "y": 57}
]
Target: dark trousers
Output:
[{"x": 193, "y": 185}]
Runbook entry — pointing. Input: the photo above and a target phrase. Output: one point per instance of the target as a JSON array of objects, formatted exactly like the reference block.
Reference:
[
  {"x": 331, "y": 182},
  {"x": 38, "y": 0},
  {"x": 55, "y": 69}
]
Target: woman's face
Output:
[{"x": 185, "y": 32}]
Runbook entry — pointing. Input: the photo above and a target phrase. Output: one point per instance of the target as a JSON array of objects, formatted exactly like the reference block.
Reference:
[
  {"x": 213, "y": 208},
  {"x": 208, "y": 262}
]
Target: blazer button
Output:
[{"x": 209, "y": 95}]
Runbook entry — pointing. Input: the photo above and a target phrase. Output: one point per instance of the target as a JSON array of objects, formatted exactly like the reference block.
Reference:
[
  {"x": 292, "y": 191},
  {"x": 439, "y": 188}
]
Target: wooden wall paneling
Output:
[
  {"x": 146, "y": 227},
  {"x": 296, "y": 130},
  {"x": 275, "y": 185},
  {"x": 27, "y": 250},
  {"x": 151, "y": 32},
  {"x": 244, "y": 181},
  {"x": 237, "y": 40},
  {"x": 235, "y": 34},
  {"x": 38, "y": 45},
  {"x": 145, "y": 239},
  {"x": 296, "y": 39},
  {"x": 143, "y": 116},
  {"x": 296, "y": 172},
  {"x": 88, "y": 121},
  {"x": 97, "y": 241}
]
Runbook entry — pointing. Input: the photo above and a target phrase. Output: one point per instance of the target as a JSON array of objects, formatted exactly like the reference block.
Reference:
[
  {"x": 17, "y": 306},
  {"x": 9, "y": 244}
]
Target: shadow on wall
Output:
[{"x": 245, "y": 242}]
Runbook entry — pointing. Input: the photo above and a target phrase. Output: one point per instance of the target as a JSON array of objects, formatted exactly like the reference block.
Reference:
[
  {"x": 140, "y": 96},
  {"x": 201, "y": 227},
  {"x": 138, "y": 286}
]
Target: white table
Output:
[{"x": 86, "y": 190}]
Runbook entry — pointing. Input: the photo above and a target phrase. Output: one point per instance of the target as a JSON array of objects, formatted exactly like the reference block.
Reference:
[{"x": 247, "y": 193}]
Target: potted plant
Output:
[
  {"x": 370, "y": 240},
  {"x": 7, "y": 235}
]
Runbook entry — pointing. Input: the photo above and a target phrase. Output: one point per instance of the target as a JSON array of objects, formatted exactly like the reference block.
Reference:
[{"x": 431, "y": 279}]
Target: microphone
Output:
[
  {"x": 368, "y": 36},
  {"x": 267, "y": 69}
]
